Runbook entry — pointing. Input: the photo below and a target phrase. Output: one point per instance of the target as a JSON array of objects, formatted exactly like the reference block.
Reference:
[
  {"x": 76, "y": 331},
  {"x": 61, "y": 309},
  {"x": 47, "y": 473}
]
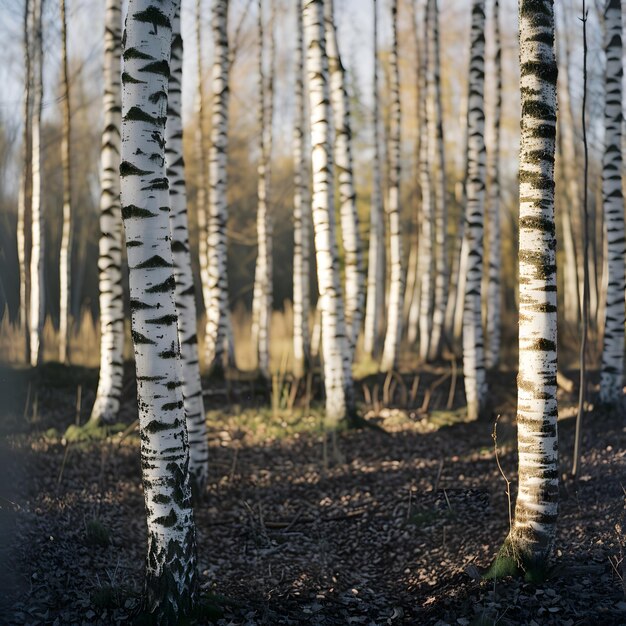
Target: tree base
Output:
[{"x": 510, "y": 561}]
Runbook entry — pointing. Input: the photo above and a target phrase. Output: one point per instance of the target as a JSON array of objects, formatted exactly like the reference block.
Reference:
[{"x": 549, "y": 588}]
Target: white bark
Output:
[
  {"x": 24, "y": 188},
  {"x": 201, "y": 167},
  {"x": 438, "y": 164},
  {"x": 532, "y": 535},
  {"x": 374, "y": 310},
  {"x": 219, "y": 348},
  {"x": 338, "y": 381},
  {"x": 612, "y": 377},
  {"x": 262, "y": 297},
  {"x": 65, "y": 263},
  {"x": 352, "y": 244},
  {"x": 473, "y": 349},
  {"x": 37, "y": 274},
  {"x": 107, "y": 402},
  {"x": 184, "y": 293},
  {"x": 301, "y": 214},
  {"x": 396, "y": 278},
  {"x": 573, "y": 222},
  {"x": 426, "y": 261},
  {"x": 492, "y": 348},
  {"x": 171, "y": 579}
]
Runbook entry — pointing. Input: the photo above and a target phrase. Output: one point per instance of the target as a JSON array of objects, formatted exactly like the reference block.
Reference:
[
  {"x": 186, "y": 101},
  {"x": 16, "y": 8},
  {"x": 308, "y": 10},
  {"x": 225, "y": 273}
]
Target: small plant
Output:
[
  {"x": 108, "y": 597},
  {"x": 96, "y": 533}
]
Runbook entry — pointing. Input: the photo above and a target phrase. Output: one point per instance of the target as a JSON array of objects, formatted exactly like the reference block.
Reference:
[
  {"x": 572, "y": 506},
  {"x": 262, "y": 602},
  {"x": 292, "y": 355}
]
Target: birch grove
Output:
[{"x": 171, "y": 578}]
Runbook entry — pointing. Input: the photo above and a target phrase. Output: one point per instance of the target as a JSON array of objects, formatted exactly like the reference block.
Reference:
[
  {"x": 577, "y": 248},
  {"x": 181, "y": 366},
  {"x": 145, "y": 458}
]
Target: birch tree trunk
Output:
[
  {"x": 375, "y": 271},
  {"x": 262, "y": 298},
  {"x": 438, "y": 160},
  {"x": 412, "y": 300},
  {"x": 185, "y": 299},
  {"x": 65, "y": 265},
  {"x": 352, "y": 244},
  {"x": 453, "y": 323},
  {"x": 425, "y": 263},
  {"x": 532, "y": 535},
  {"x": 396, "y": 289},
  {"x": 219, "y": 349},
  {"x": 171, "y": 579},
  {"x": 612, "y": 377},
  {"x": 37, "y": 274},
  {"x": 201, "y": 169},
  {"x": 573, "y": 222},
  {"x": 24, "y": 189},
  {"x": 107, "y": 404},
  {"x": 473, "y": 349},
  {"x": 338, "y": 381},
  {"x": 301, "y": 215},
  {"x": 492, "y": 352}
]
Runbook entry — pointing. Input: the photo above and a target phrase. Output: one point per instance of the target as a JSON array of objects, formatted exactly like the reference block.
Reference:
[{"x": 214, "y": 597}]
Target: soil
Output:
[{"x": 392, "y": 523}]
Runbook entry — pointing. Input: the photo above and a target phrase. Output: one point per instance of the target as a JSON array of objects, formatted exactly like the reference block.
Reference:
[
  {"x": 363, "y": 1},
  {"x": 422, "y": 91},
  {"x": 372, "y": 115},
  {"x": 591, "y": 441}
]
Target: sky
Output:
[{"x": 354, "y": 22}]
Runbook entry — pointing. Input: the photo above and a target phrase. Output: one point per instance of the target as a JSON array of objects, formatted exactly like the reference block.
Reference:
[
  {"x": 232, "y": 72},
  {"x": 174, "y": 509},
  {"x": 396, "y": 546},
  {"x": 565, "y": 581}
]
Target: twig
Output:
[
  {"x": 414, "y": 388},
  {"x": 452, "y": 392},
  {"x": 231, "y": 475},
  {"x": 438, "y": 478},
  {"x": 494, "y": 435},
  {"x": 79, "y": 393},
  {"x": 65, "y": 455},
  {"x": 386, "y": 387}
]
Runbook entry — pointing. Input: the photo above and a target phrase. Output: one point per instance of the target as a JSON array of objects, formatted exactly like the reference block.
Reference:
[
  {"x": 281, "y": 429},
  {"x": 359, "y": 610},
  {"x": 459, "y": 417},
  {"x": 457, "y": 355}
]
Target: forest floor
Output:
[{"x": 390, "y": 527}]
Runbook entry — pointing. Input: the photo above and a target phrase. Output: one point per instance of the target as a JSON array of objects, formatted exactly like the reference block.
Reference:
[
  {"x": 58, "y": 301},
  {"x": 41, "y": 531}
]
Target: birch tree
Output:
[
  {"x": 262, "y": 297},
  {"x": 427, "y": 145},
  {"x": 612, "y": 376},
  {"x": 473, "y": 349},
  {"x": 338, "y": 381},
  {"x": 301, "y": 213},
  {"x": 219, "y": 349},
  {"x": 396, "y": 278},
  {"x": 171, "y": 579},
  {"x": 24, "y": 188},
  {"x": 352, "y": 245},
  {"x": 438, "y": 160},
  {"x": 492, "y": 352},
  {"x": 201, "y": 169},
  {"x": 184, "y": 293},
  {"x": 37, "y": 274},
  {"x": 107, "y": 404},
  {"x": 65, "y": 264},
  {"x": 532, "y": 535},
  {"x": 374, "y": 309}
]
